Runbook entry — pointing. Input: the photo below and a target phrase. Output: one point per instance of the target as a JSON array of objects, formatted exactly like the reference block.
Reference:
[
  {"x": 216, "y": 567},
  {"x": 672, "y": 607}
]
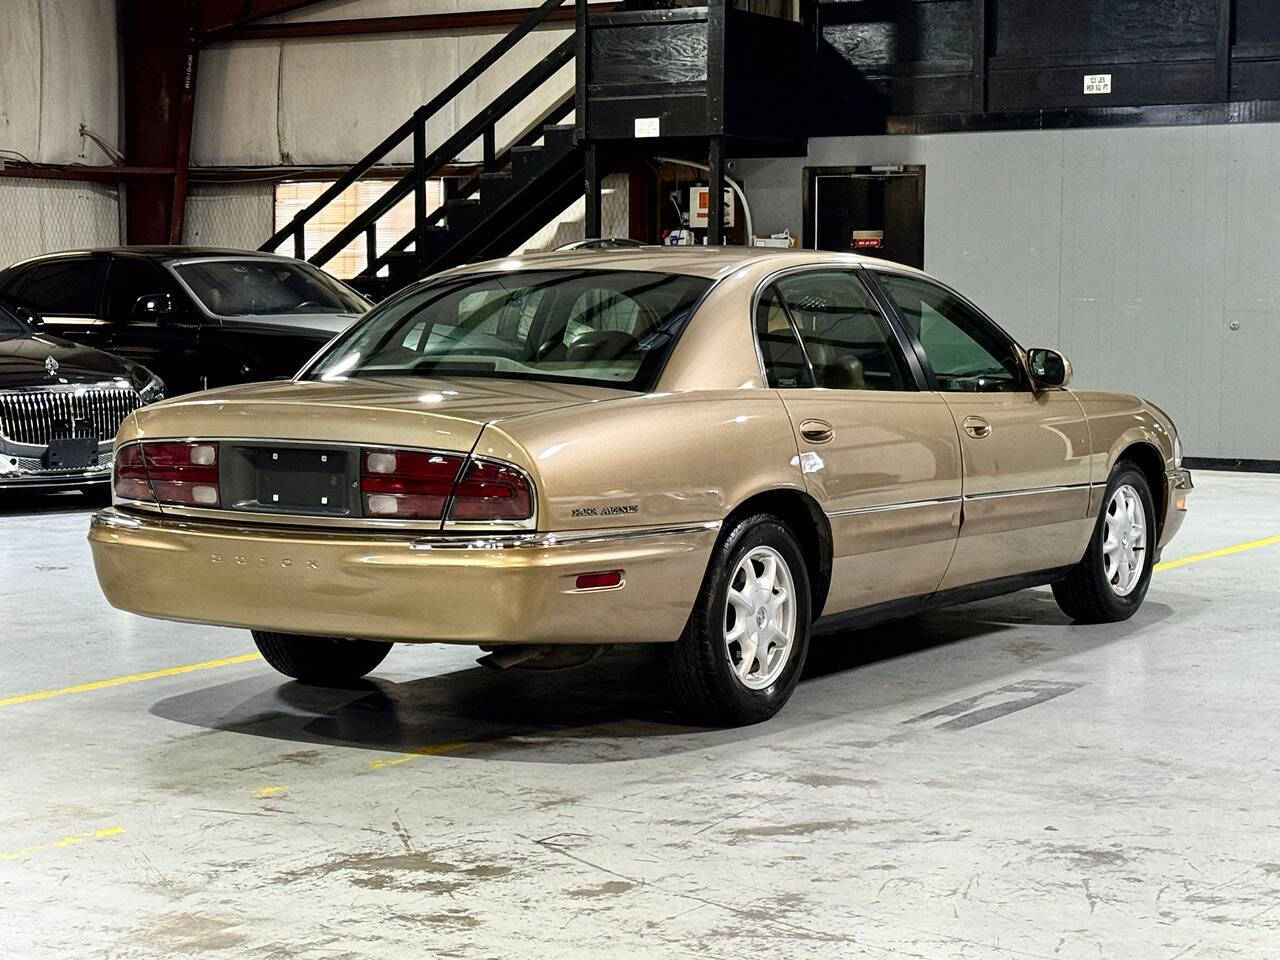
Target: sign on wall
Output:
[{"x": 1097, "y": 83}]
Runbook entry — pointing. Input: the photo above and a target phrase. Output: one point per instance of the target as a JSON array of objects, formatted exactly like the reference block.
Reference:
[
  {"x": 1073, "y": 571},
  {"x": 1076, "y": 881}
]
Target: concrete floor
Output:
[{"x": 1127, "y": 809}]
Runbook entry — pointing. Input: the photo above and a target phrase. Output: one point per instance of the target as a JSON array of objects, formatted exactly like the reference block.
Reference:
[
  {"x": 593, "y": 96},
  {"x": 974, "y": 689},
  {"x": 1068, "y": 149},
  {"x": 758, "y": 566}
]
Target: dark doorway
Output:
[{"x": 878, "y": 211}]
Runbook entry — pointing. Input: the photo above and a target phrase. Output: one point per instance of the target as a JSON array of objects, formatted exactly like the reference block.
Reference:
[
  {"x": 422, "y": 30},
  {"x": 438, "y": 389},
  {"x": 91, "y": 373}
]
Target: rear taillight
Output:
[
  {"x": 491, "y": 491},
  {"x": 131, "y": 477},
  {"x": 406, "y": 484},
  {"x": 180, "y": 473}
]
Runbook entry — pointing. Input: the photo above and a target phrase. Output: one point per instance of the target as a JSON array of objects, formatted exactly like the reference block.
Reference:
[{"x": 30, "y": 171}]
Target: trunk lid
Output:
[{"x": 437, "y": 413}]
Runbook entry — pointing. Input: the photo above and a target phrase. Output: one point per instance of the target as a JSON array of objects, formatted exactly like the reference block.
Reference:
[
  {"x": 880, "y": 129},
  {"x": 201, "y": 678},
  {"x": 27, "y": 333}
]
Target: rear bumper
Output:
[
  {"x": 1177, "y": 485},
  {"x": 508, "y": 588}
]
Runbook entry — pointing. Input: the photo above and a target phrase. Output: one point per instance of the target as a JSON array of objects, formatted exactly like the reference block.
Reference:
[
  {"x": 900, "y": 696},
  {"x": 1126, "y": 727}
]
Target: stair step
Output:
[
  {"x": 460, "y": 214},
  {"x": 523, "y": 158},
  {"x": 559, "y": 134},
  {"x": 497, "y": 188}
]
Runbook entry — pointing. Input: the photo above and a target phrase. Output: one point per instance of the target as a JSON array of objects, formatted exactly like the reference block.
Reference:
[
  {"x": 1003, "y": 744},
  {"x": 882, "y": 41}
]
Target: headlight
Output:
[
  {"x": 1177, "y": 451},
  {"x": 153, "y": 391}
]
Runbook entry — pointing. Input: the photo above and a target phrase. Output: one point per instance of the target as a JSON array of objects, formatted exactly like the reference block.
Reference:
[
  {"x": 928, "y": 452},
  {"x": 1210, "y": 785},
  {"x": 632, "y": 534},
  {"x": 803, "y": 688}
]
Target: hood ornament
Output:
[{"x": 51, "y": 366}]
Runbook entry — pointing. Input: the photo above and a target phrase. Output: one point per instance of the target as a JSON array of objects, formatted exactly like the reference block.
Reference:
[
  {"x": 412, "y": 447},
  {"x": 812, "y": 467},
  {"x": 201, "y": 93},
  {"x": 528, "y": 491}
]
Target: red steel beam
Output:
[
  {"x": 161, "y": 51},
  {"x": 82, "y": 172},
  {"x": 214, "y": 16}
]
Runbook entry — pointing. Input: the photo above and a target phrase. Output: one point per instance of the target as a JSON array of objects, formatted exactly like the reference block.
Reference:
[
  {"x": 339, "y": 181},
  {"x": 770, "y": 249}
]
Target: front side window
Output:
[
  {"x": 128, "y": 281},
  {"x": 10, "y": 325},
  {"x": 605, "y": 327},
  {"x": 242, "y": 288},
  {"x": 59, "y": 287},
  {"x": 849, "y": 342},
  {"x": 966, "y": 355}
]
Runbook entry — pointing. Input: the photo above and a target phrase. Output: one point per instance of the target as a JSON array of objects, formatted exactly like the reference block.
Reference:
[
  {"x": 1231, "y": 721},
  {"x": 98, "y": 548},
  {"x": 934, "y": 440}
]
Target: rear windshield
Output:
[
  {"x": 237, "y": 288},
  {"x": 607, "y": 327}
]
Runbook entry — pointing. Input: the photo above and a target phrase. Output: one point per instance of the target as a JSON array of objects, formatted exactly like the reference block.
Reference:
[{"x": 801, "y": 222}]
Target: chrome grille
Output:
[{"x": 38, "y": 416}]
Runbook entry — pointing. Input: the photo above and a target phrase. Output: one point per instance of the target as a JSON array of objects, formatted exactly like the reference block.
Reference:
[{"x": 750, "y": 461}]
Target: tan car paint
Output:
[
  {"x": 1033, "y": 442},
  {"x": 684, "y": 457},
  {"x": 655, "y": 459},
  {"x": 887, "y": 450}
]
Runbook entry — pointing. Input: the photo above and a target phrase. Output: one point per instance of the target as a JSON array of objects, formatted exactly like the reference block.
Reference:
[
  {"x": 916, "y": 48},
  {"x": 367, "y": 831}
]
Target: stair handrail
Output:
[
  {"x": 376, "y": 261},
  {"x": 414, "y": 127},
  {"x": 416, "y": 178}
]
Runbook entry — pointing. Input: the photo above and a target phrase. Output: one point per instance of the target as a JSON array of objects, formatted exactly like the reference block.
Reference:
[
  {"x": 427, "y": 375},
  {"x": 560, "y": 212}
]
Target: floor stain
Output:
[
  {"x": 193, "y": 933},
  {"x": 832, "y": 780},
  {"x": 799, "y": 829},
  {"x": 607, "y": 889}
]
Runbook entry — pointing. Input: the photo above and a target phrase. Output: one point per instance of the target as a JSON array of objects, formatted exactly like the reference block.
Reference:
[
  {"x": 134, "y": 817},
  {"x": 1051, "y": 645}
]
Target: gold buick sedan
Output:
[{"x": 706, "y": 450}]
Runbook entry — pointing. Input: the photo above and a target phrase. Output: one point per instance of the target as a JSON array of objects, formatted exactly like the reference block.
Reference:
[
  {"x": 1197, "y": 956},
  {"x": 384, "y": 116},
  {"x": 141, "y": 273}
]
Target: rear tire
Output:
[
  {"x": 739, "y": 658},
  {"x": 323, "y": 661},
  {"x": 1109, "y": 584}
]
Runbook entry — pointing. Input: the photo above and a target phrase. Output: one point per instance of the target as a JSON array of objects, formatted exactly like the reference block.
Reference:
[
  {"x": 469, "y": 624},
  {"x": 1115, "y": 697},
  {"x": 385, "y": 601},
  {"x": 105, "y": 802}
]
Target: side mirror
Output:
[
  {"x": 154, "y": 306},
  {"x": 31, "y": 318},
  {"x": 1048, "y": 368}
]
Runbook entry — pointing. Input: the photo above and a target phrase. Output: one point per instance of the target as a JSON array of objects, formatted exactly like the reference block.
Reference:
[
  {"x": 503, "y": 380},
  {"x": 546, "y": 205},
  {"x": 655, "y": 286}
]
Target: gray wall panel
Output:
[{"x": 1132, "y": 249}]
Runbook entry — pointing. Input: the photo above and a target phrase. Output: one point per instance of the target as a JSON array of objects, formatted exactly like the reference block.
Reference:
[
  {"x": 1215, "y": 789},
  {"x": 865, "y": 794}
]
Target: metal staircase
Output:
[
  {"x": 519, "y": 188},
  {"x": 691, "y": 75}
]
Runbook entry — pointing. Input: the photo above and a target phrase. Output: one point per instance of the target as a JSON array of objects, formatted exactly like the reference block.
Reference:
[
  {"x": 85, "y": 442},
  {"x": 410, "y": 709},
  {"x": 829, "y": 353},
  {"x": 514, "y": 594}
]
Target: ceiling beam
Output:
[
  {"x": 215, "y": 16},
  {"x": 418, "y": 23}
]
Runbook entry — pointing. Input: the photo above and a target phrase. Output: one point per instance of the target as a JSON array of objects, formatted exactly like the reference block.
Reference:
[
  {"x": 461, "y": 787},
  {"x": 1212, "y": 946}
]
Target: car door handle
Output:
[
  {"x": 816, "y": 431},
  {"x": 977, "y": 427}
]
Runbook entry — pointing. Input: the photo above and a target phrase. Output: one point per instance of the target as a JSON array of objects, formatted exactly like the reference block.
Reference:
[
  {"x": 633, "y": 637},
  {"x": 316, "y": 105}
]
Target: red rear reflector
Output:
[
  {"x": 491, "y": 491},
  {"x": 599, "y": 581},
  {"x": 406, "y": 484}
]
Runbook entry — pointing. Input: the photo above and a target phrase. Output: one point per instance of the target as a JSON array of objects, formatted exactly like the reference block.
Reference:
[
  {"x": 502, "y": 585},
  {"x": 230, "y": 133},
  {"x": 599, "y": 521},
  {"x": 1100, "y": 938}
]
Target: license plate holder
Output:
[
  {"x": 70, "y": 453},
  {"x": 310, "y": 481}
]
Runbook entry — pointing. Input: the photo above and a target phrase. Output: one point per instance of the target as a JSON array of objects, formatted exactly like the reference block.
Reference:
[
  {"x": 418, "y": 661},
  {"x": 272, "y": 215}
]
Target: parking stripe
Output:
[
  {"x": 134, "y": 678},
  {"x": 1212, "y": 554}
]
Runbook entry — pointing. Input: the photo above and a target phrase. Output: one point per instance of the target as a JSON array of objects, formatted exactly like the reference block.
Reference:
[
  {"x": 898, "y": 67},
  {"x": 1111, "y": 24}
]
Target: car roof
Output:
[
  {"x": 157, "y": 253},
  {"x": 709, "y": 262}
]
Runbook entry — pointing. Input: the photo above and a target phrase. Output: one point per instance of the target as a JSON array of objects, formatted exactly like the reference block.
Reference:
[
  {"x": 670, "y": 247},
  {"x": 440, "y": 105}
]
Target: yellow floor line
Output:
[
  {"x": 433, "y": 750},
  {"x": 70, "y": 841},
  {"x": 1224, "y": 552},
  {"x": 135, "y": 678}
]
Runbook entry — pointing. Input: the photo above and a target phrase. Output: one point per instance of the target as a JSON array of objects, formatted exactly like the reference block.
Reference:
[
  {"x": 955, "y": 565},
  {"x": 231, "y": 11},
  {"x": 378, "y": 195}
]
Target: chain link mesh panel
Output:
[{"x": 42, "y": 216}]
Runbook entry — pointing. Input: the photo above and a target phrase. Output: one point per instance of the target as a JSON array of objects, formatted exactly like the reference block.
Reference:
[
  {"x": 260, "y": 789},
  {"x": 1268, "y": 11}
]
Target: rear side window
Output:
[
  {"x": 848, "y": 340},
  {"x": 784, "y": 361},
  {"x": 68, "y": 287}
]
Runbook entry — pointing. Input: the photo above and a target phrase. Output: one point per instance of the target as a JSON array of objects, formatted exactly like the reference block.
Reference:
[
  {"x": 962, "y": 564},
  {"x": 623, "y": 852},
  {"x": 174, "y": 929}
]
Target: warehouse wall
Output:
[
  {"x": 330, "y": 100},
  {"x": 58, "y": 69},
  {"x": 1133, "y": 250}
]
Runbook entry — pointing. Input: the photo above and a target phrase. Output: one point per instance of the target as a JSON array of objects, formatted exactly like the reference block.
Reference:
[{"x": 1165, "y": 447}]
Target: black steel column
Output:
[
  {"x": 715, "y": 200},
  {"x": 420, "y": 187},
  {"x": 591, "y": 223}
]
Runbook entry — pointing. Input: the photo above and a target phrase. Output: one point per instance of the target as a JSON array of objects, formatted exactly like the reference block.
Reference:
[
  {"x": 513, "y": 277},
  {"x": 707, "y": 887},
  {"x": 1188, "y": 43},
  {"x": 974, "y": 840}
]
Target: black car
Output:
[
  {"x": 198, "y": 317},
  {"x": 60, "y": 407}
]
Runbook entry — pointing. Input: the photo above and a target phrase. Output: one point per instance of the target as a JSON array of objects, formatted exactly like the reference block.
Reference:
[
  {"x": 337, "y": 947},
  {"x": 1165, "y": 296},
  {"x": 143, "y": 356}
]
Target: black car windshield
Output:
[
  {"x": 237, "y": 288},
  {"x": 606, "y": 327}
]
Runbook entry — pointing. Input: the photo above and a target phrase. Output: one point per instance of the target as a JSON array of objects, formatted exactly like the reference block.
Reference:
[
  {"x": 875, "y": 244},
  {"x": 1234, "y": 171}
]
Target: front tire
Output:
[
  {"x": 741, "y": 653},
  {"x": 322, "y": 661},
  {"x": 1109, "y": 584}
]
